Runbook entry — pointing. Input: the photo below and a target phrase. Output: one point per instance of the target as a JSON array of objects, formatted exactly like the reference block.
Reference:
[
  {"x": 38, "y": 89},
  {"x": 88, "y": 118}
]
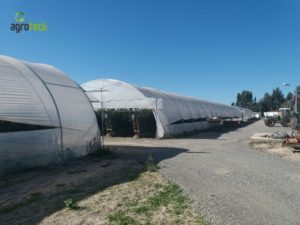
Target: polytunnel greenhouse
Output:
[
  {"x": 173, "y": 114},
  {"x": 247, "y": 114},
  {"x": 41, "y": 116}
]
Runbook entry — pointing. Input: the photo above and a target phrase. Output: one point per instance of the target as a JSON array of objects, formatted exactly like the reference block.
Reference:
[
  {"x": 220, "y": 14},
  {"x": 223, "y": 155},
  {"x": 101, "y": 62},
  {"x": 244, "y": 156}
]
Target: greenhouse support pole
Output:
[{"x": 102, "y": 116}]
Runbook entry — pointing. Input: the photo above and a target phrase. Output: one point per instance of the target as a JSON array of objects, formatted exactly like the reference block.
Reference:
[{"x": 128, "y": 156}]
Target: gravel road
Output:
[{"x": 229, "y": 182}]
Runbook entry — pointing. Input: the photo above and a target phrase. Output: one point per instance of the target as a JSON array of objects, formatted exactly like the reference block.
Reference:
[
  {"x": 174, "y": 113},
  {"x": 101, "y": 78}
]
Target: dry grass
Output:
[
  {"x": 94, "y": 191},
  {"x": 284, "y": 152},
  {"x": 147, "y": 200}
]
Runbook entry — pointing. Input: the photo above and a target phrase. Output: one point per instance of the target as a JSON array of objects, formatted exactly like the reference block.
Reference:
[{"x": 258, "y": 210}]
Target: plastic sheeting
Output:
[
  {"x": 169, "y": 109},
  {"x": 247, "y": 114},
  {"x": 39, "y": 94}
]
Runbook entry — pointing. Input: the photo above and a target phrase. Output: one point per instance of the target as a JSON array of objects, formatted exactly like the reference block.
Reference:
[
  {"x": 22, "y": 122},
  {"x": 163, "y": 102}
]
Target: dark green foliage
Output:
[
  {"x": 277, "y": 98},
  {"x": 71, "y": 204},
  {"x": 146, "y": 123},
  {"x": 289, "y": 96},
  {"x": 171, "y": 194},
  {"x": 244, "y": 99},
  {"x": 120, "y": 218},
  {"x": 99, "y": 120},
  {"x": 120, "y": 122},
  {"x": 267, "y": 103}
]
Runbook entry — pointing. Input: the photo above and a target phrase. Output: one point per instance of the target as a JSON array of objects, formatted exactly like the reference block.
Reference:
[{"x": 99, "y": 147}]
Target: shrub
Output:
[{"x": 71, "y": 204}]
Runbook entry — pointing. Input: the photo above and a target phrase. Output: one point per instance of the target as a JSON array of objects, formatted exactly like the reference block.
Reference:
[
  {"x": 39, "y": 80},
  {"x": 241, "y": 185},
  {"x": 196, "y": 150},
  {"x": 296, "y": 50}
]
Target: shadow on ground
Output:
[
  {"x": 216, "y": 132},
  {"x": 31, "y": 196},
  {"x": 141, "y": 153}
]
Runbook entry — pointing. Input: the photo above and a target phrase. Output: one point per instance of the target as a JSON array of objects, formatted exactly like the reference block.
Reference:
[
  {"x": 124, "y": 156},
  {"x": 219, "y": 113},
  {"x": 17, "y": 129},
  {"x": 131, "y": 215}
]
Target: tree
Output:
[
  {"x": 238, "y": 99},
  {"x": 244, "y": 99},
  {"x": 289, "y": 96},
  {"x": 266, "y": 102},
  {"x": 256, "y": 107},
  {"x": 277, "y": 98}
]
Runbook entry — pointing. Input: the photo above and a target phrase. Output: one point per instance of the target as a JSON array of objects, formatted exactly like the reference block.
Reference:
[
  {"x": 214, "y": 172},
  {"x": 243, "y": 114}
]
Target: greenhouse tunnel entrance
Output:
[{"x": 127, "y": 123}]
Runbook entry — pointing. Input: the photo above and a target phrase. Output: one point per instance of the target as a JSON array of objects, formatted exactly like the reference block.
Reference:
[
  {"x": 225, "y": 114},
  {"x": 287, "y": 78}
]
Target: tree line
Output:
[{"x": 268, "y": 102}]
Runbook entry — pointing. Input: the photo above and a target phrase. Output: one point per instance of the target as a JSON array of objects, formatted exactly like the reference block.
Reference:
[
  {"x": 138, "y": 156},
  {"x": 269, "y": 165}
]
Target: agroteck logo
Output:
[{"x": 21, "y": 26}]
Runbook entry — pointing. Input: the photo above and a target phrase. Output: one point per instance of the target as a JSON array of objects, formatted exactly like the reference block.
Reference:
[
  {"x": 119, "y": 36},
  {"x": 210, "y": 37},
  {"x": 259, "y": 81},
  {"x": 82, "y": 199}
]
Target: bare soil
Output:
[
  {"x": 284, "y": 152},
  {"x": 105, "y": 190}
]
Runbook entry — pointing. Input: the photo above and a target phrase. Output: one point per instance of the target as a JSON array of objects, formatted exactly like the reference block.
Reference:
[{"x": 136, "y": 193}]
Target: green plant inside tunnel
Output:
[{"x": 127, "y": 123}]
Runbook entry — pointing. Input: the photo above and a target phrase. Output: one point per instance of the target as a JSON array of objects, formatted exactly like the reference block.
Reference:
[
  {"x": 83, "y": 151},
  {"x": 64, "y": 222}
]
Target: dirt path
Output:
[{"x": 231, "y": 183}]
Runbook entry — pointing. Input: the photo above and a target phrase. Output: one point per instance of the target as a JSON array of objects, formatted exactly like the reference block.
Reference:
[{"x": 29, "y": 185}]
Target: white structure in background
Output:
[
  {"x": 272, "y": 114},
  {"x": 257, "y": 115},
  {"x": 276, "y": 113},
  {"x": 174, "y": 114},
  {"x": 45, "y": 117},
  {"x": 247, "y": 114}
]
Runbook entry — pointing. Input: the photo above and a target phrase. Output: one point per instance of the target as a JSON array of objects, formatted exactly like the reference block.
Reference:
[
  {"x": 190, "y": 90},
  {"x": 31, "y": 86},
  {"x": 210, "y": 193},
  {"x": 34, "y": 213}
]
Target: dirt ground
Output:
[
  {"x": 106, "y": 190},
  {"x": 283, "y": 152}
]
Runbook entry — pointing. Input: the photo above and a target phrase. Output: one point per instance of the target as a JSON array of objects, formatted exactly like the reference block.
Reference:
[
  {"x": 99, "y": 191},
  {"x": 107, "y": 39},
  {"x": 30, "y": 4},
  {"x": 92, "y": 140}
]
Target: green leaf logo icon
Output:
[{"x": 20, "y": 16}]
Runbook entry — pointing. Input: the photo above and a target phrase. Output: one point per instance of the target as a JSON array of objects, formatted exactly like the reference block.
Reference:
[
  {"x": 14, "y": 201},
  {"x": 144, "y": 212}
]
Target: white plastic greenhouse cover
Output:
[
  {"x": 169, "y": 109},
  {"x": 41, "y": 95},
  {"x": 247, "y": 114}
]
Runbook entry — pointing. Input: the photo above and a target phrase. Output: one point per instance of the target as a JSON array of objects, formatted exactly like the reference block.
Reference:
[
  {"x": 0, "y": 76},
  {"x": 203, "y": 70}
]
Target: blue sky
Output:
[{"x": 210, "y": 49}]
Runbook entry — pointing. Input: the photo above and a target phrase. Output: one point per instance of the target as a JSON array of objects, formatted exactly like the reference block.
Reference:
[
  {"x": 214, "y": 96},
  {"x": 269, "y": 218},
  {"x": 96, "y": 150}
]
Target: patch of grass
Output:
[
  {"x": 164, "y": 203},
  {"x": 143, "y": 209},
  {"x": 132, "y": 203},
  {"x": 36, "y": 196},
  {"x": 202, "y": 222},
  {"x": 170, "y": 195},
  {"x": 150, "y": 166},
  {"x": 120, "y": 218},
  {"x": 71, "y": 204},
  {"x": 126, "y": 193}
]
